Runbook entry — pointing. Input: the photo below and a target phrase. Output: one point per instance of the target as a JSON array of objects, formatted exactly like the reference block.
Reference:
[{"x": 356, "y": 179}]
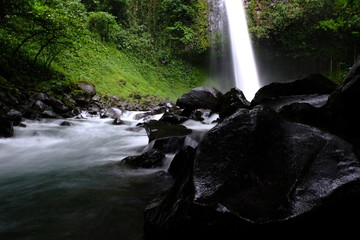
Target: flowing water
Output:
[
  {"x": 246, "y": 78},
  {"x": 233, "y": 61},
  {"x": 62, "y": 182}
]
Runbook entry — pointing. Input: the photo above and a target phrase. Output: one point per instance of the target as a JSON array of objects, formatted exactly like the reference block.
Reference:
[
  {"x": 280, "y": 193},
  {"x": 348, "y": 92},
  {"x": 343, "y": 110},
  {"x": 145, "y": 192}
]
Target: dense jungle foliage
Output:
[
  {"x": 159, "y": 47},
  {"x": 325, "y": 33},
  {"x": 124, "y": 47}
]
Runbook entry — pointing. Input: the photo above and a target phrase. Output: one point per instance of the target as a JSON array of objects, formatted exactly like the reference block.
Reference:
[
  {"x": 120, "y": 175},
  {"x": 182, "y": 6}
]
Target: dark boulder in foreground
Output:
[
  {"x": 259, "y": 171},
  {"x": 338, "y": 114},
  {"x": 261, "y": 167},
  {"x": 200, "y": 98},
  {"x": 343, "y": 104},
  {"x": 167, "y": 214},
  {"x": 288, "y": 163},
  {"x": 180, "y": 162}
]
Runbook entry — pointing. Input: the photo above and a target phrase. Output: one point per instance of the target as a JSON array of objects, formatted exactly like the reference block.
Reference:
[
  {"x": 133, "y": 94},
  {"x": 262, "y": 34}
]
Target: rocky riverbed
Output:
[{"x": 289, "y": 159}]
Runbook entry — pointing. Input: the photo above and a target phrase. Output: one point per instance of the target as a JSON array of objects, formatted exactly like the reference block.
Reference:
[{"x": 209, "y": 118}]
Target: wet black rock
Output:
[
  {"x": 166, "y": 216},
  {"x": 156, "y": 110},
  {"x": 39, "y": 96},
  {"x": 150, "y": 159},
  {"x": 173, "y": 118},
  {"x": 344, "y": 102},
  {"x": 160, "y": 129},
  {"x": 14, "y": 115},
  {"x": 312, "y": 84},
  {"x": 113, "y": 112},
  {"x": 118, "y": 121},
  {"x": 305, "y": 113},
  {"x": 265, "y": 168},
  {"x": 313, "y": 89},
  {"x": 57, "y": 106},
  {"x": 49, "y": 113},
  {"x": 256, "y": 173},
  {"x": 66, "y": 123},
  {"x": 181, "y": 160},
  {"x": 200, "y": 98},
  {"x": 168, "y": 144},
  {"x": 231, "y": 101},
  {"x": 6, "y": 128}
]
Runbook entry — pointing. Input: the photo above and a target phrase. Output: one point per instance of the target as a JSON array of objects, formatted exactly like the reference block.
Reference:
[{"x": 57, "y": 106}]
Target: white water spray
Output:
[{"x": 246, "y": 77}]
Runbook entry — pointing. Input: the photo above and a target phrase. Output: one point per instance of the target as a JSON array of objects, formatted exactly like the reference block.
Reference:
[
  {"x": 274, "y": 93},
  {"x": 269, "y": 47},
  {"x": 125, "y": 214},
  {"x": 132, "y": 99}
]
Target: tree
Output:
[
  {"x": 325, "y": 30},
  {"x": 104, "y": 25},
  {"x": 42, "y": 27}
]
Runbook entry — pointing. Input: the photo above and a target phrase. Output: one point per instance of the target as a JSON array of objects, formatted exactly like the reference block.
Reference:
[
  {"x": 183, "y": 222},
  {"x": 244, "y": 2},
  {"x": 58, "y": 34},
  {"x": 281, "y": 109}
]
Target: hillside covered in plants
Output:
[
  {"x": 160, "y": 48},
  {"x": 124, "y": 48}
]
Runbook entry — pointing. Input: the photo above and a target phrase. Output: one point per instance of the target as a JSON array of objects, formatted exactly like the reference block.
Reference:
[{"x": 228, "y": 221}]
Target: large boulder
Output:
[
  {"x": 173, "y": 118},
  {"x": 168, "y": 213},
  {"x": 58, "y": 106},
  {"x": 168, "y": 145},
  {"x": 231, "y": 101},
  {"x": 258, "y": 173},
  {"x": 14, "y": 115},
  {"x": 154, "y": 111},
  {"x": 200, "y": 97},
  {"x": 338, "y": 115},
  {"x": 181, "y": 160},
  {"x": 313, "y": 89},
  {"x": 344, "y": 101},
  {"x": 83, "y": 94},
  {"x": 160, "y": 129},
  {"x": 38, "y": 97},
  {"x": 6, "y": 128},
  {"x": 114, "y": 113},
  {"x": 87, "y": 87},
  {"x": 264, "y": 168},
  {"x": 150, "y": 159}
]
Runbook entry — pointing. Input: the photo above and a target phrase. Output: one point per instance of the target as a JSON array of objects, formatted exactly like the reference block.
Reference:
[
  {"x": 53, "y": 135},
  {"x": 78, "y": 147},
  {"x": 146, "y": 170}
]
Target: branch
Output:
[{"x": 24, "y": 41}]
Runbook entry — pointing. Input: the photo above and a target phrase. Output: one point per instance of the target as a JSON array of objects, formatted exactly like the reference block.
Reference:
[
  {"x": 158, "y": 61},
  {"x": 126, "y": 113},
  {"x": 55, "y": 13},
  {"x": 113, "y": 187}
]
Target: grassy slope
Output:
[{"x": 116, "y": 73}]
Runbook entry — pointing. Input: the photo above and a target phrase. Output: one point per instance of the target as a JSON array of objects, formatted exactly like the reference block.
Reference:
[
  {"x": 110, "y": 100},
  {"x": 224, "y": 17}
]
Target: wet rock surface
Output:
[
  {"x": 150, "y": 159},
  {"x": 200, "y": 98},
  {"x": 289, "y": 161}
]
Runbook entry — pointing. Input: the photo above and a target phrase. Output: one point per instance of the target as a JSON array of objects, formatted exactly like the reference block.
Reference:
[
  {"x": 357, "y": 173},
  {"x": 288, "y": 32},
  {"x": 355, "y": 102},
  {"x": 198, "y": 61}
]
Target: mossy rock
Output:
[{"x": 87, "y": 87}]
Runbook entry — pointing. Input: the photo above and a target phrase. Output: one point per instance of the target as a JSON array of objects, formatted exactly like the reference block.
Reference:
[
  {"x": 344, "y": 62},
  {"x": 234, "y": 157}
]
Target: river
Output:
[{"x": 62, "y": 182}]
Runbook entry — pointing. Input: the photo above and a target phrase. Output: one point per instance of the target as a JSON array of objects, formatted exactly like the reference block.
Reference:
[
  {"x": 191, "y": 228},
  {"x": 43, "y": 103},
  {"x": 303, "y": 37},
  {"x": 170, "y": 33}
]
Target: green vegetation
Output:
[
  {"x": 321, "y": 31},
  {"x": 159, "y": 47},
  {"x": 123, "y": 47}
]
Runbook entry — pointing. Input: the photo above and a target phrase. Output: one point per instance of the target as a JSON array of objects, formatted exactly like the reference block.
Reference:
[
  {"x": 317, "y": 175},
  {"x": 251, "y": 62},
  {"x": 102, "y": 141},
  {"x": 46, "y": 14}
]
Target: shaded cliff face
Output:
[{"x": 271, "y": 167}]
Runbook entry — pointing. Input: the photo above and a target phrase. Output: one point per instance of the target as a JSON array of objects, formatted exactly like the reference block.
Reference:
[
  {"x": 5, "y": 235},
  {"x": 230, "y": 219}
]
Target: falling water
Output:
[
  {"x": 246, "y": 77},
  {"x": 236, "y": 64}
]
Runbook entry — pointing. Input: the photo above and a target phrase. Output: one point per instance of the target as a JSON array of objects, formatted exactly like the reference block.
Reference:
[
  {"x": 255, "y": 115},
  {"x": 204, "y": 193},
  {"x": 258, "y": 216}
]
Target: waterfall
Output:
[{"x": 228, "y": 17}]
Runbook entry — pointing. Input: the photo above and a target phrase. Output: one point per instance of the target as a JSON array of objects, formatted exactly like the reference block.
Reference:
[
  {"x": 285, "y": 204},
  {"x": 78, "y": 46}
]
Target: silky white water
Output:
[
  {"x": 63, "y": 182},
  {"x": 245, "y": 72}
]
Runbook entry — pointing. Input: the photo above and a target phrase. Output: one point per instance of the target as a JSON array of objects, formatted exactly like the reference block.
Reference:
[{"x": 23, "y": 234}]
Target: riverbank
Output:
[
  {"x": 289, "y": 158},
  {"x": 65, "y": 102},
  {"x": 64, "y": 182}
]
